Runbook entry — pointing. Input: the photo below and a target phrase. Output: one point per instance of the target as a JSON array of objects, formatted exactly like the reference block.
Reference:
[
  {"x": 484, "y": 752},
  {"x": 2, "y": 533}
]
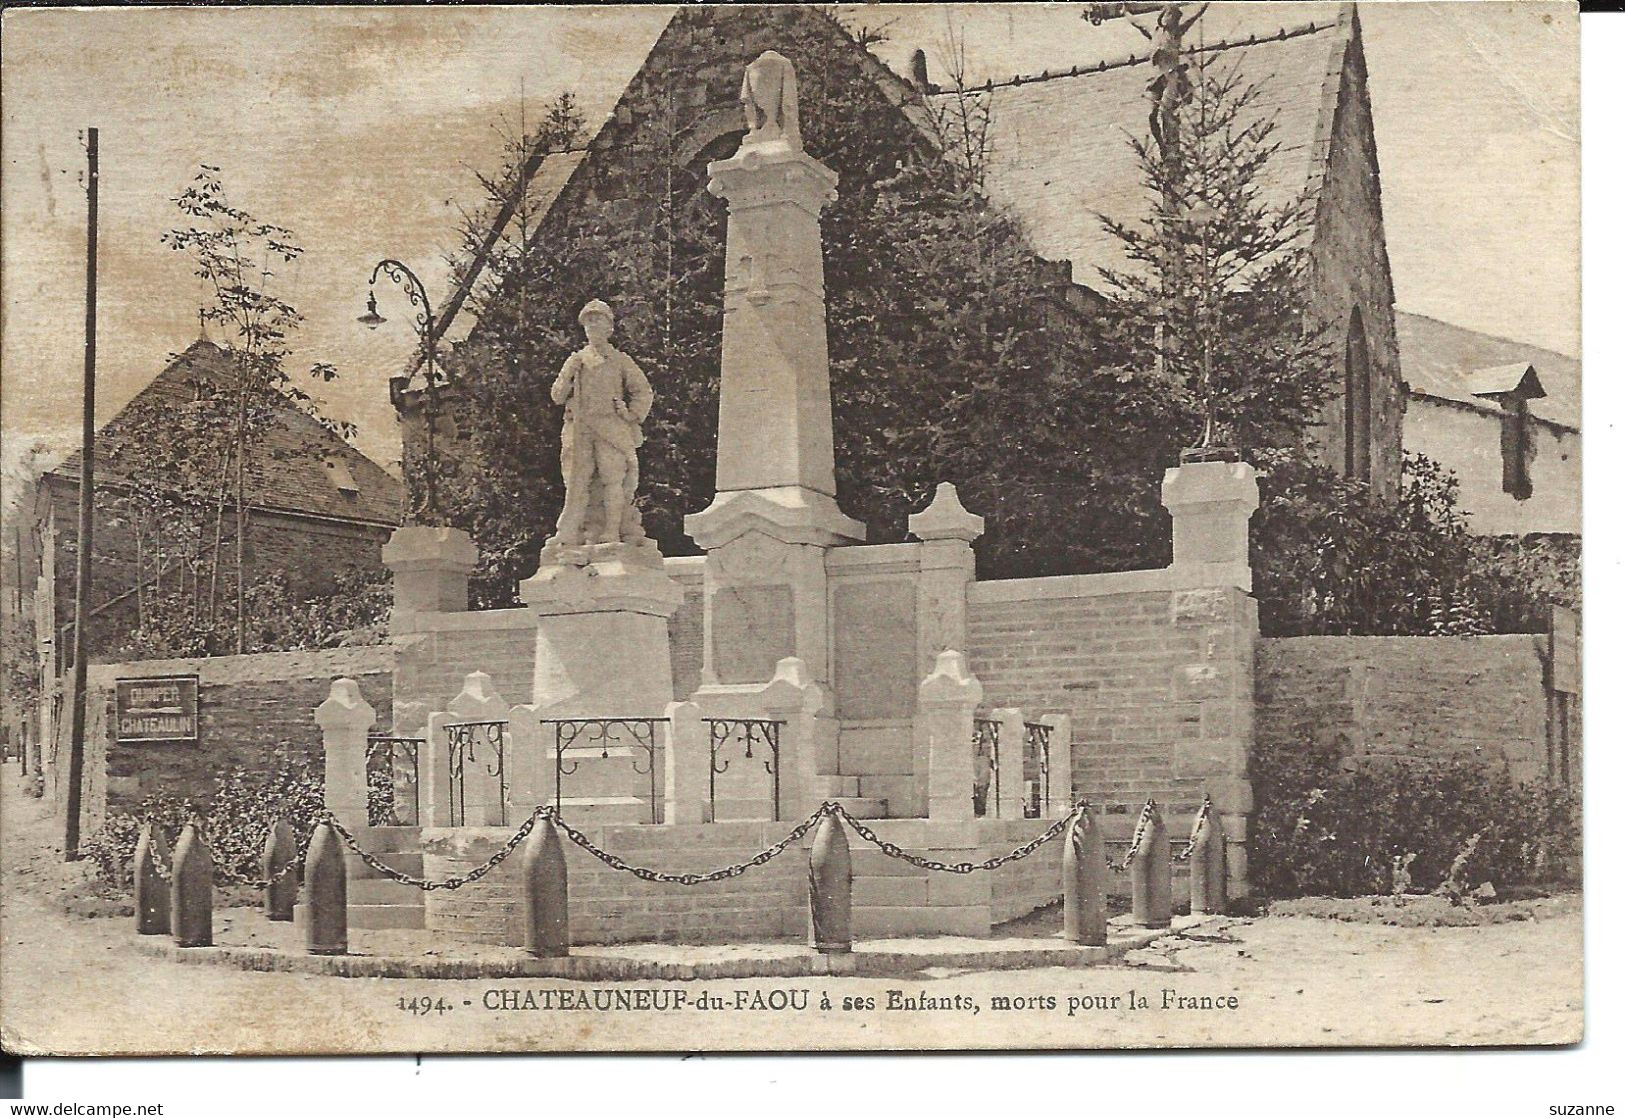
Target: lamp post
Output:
[{"x": 423, "y": 318}]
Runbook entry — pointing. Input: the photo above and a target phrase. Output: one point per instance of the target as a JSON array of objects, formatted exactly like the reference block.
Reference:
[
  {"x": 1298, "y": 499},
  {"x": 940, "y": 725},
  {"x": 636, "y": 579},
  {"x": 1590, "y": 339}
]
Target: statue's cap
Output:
[{"x": 596, "y": 309}]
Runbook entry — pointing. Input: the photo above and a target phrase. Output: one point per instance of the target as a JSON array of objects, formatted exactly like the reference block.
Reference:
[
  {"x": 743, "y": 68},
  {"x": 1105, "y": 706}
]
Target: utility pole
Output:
[{"x": 87, "y": 481}]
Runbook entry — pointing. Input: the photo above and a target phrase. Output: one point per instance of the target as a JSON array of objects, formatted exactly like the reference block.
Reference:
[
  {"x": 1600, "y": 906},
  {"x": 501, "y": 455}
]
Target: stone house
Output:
[
  {"x": 1058, "y": 158},
  {"x": 317, "y": 507},
  {"x": 1504, "y": 417}
]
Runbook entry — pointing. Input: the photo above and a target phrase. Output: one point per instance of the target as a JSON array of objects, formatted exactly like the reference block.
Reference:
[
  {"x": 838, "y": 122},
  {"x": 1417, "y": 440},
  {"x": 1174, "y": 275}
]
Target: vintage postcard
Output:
[{"x": 791, "y": 527}]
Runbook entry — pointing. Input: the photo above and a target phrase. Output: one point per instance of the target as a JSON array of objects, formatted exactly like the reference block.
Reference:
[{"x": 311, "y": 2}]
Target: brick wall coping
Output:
[
  {"x": 258, "y": 667},
  {"x": 486, "y": 620},
  {"x": 1377, "y": 644},
  {"x": 1192, "y": 577}
]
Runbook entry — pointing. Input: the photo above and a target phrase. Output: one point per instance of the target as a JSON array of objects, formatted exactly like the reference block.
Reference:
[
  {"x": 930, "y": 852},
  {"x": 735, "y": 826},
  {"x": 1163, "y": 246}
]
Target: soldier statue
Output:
[{"x": 606, "y": 398}]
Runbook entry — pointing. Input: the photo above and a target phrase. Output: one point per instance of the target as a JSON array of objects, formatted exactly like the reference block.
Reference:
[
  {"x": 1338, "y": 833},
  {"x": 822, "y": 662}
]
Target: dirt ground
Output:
[{"x": 74, "y": 985}]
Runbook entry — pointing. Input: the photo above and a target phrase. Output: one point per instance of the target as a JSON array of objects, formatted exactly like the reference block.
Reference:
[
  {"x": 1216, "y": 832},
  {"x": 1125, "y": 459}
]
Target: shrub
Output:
[
  {"x": 381, "y": 796},
  {"x": 1327, "y": 826},
  {"x": 238, "y": 817}
]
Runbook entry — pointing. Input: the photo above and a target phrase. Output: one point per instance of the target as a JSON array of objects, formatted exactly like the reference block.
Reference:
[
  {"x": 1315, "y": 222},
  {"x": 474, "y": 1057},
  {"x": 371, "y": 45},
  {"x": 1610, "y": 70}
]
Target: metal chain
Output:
[
  {"x": 892, "y": 850},
  {"x": 760, "y": 859},
  {"x": 455, "y": 882},
  {"x": 223, "y": 876},
  {"x": 1140, "y": 828},
  {"x": 1196, "y": 827}
]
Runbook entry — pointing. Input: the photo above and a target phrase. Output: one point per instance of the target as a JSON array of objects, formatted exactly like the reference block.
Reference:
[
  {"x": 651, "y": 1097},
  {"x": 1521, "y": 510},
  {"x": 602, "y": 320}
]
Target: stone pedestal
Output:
[
  {"x": 1211, "y": 504},
  {"x": 430, "y": 568},
  {"x": 603, "y": 649},
  {"x": 344, "y": 718}
]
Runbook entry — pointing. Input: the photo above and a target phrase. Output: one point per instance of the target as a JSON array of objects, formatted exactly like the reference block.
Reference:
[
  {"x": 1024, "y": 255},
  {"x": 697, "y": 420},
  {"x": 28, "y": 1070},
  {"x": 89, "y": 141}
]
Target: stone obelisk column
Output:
[{"x": 774, "y": 515}]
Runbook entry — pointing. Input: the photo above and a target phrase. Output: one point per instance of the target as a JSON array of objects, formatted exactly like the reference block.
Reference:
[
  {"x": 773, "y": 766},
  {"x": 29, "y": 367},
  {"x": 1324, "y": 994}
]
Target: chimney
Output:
[{"x": 918, "y": 73}]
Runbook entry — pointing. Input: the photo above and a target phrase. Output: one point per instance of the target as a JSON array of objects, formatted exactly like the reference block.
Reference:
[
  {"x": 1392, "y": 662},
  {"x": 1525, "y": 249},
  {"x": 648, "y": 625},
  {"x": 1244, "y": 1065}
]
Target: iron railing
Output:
[
  {"x": 582, "y": 734},
  {"x": 385, "y": 751},
  {"x": 755, "y": 733},
  {"x": 985, "y": 790},
  {"x": 480, "y": 743},
  {"x": 1037, "y": 746}
]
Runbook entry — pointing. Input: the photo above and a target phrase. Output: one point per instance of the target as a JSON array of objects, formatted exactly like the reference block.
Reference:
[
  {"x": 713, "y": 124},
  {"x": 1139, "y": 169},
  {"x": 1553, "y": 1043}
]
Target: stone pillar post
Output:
[
  {"x": 688, "y": 760},
  {"x": 529, "y": 761},
  {"x": 1009, "y": 791},
  {"x": 484, "y": 760},
  {"x": 344, "y": 718},
  {"x": 947, "y": 703},
  {"x": 807, "y": 739},
  {"x": 430, "y": 568},
  {"x": 1211, "y": 503},
  {"x": 409, "y": 774},
  {"x": 947, "y": 568},
  {"x": 434, "y": 773},
  {"x": 1060, "y": 796}
]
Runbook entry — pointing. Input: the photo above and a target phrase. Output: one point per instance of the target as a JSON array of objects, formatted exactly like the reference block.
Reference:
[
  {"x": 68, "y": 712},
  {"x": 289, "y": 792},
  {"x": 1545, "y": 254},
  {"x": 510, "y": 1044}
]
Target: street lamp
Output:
[{"x": 423, "y": 319}]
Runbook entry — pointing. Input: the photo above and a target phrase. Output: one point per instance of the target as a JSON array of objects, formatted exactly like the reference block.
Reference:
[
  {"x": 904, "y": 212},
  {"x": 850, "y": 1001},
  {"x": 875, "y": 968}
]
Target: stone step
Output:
[
  {"x": 379, "y": 890},
  {"x": 405, "y": 861},
  {"x": 373, "y": 917},
  {"x": 388, "y": 840},
  {"x": 602, "y": 810},
  {"x": 883, "y": 921},
  {"x": 378, "y": 917},
  {"x": 863, "y": 807},
  {"x": 730, "y": 809}
]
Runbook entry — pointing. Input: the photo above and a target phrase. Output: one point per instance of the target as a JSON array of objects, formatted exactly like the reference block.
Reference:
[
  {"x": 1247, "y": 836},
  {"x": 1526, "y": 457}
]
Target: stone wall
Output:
[
  {"x": 247, "y": 707},
  {"x": 1409, "y": 696},
  {"x": 1158, "y": 681},
  {"x": 436, "y": 650},
  {"x": 889, "y": 897},
  {"x": 606, "y": 906}
]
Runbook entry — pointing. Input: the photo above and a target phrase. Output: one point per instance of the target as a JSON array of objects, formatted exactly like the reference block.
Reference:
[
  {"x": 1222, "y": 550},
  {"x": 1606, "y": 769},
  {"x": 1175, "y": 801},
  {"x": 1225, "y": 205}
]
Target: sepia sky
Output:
[{"x": 360, "y": 129}]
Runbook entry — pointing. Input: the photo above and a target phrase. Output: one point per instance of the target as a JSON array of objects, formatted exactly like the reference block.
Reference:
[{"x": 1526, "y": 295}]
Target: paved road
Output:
[{"x": 69, "y": 984}]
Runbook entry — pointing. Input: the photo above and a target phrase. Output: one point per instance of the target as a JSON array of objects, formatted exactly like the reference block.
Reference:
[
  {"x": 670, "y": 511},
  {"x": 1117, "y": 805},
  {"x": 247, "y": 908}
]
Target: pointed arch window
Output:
[{"x": 1357, "y": 400}]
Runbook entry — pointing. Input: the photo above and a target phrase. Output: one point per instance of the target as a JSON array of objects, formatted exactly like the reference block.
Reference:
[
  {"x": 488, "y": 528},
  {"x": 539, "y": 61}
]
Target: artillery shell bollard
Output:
[
  {"x": 1083, "y": 881},
  {"x": 547, "y": 892},
  {"x": 829, "y": 887},
  {"x": 327, "y": 894},
  {"x": 280, "y": 853},
  {"x": 191, "y": 890},
  {"x": 1151, "y": 876},
  {"x": 1207, "y": 866},
  {"x": 151, "y": 890}
]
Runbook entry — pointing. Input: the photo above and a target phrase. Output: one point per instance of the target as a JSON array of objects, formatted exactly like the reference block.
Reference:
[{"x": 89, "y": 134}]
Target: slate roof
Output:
[
  {"x": 1441, "y": 360},
  {"x": 1061, "y": 156},
  {"x": 304, "y": 480},
  {"x": 1506, "y": 380}
]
